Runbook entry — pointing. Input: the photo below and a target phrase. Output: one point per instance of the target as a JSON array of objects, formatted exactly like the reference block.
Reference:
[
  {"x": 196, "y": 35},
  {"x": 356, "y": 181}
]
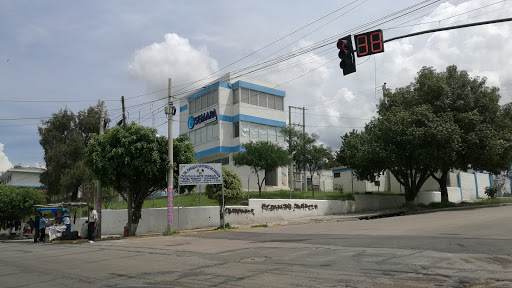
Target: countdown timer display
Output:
[{"x": 369, "y": 43}]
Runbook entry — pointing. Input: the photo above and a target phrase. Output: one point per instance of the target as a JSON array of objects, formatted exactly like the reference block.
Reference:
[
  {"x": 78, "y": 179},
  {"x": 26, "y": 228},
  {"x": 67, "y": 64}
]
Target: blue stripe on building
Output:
[
  {"x": 258, "y": 88},
  {"x": 183, "y": 108},
  {"x": 341, "y": 170},
  {"x": 253, "y": 119},
  {"x": 209, "y": 89},
  {"x": 219, "y": 149}
]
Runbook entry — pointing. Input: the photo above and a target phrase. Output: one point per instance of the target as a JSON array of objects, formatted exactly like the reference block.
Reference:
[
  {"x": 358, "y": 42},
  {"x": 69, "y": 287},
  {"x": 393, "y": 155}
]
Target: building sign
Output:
[
  {"x": 205, "y": 118},
  {"x": 193, "y": 174},
  {"x": 88, "y": 190}
]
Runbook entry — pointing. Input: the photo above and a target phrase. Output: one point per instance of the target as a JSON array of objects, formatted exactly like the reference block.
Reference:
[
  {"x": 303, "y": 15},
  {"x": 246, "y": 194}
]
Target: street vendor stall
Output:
[{"x": 56, "y": 228}]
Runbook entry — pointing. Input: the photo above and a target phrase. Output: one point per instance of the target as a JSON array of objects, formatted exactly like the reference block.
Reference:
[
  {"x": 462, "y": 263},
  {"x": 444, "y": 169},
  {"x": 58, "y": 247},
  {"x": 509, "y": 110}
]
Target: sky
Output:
[{"x": 62, "y": 54}]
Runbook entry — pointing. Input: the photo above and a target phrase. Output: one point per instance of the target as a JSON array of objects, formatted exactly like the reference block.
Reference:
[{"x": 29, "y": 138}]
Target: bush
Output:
[
  {"x": 232, "y": 187},
  {"x": 491, "y": 191},
  {"x": 338, "y": 188}
]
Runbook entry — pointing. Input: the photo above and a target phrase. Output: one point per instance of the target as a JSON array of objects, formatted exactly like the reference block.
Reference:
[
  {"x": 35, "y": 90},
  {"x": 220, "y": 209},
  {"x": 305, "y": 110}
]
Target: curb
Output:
[
  {"x": 469, "y": 207},
  {"x": 159, "y": 235}
]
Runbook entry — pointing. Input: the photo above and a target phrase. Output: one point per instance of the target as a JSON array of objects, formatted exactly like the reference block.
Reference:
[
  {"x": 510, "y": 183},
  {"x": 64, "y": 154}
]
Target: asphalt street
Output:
[{"x": 469, "y": 248}]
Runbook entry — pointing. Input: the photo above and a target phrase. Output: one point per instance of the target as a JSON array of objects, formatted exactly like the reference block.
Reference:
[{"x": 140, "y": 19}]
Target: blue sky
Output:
[{"x": 69, "y": 51}]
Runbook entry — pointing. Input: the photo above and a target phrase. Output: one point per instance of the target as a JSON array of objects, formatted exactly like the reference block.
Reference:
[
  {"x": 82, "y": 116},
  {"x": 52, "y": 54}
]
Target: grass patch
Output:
[
  {"x": 259, "y": 226},
  {"x": 169, "y": 233},
  {"x": 228, "y": 227},
  {"x": 438, "y": 205},
  {"x": 194, "y": 200}
]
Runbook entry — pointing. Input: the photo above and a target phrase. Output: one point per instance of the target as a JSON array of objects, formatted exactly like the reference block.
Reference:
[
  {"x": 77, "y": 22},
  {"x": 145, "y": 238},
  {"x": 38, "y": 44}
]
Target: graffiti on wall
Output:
[
  {"x": 239, "y": 211},
  {"x": 278, "y": 207}
]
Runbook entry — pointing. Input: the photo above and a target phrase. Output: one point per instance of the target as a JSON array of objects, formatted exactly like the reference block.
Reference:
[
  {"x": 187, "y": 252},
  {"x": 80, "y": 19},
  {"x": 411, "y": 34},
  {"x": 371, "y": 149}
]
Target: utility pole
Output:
[
  {"x": 304, "y": 146},
  {"x": 124, "y": 114},
  {"x": 304, "y": 181},
  {"x": 291, "y": 180},
  {"x": 99, "y": 200},
  {"x": 169, "y": 110}
]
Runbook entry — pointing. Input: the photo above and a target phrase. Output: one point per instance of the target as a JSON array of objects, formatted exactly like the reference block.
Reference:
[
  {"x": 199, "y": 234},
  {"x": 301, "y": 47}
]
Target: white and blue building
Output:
[{"x": 229, "y": 112}]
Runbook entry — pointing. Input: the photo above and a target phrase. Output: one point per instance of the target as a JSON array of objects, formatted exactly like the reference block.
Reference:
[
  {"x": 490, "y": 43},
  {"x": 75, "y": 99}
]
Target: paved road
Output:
[{"x": 470, "y": 248}]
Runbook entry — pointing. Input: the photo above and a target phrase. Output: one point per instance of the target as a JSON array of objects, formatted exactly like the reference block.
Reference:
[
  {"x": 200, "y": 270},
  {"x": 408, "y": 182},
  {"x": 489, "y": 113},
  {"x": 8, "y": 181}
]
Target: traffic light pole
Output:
[{"x": 449, "y": 28}]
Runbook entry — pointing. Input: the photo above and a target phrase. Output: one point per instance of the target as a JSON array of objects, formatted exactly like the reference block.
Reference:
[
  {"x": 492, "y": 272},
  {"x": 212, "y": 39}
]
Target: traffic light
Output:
[{"x": 346, "y": 54}]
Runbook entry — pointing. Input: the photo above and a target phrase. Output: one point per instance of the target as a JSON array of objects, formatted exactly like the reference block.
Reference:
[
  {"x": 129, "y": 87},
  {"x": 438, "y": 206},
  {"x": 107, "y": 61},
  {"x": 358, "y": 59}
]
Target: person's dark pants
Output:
[
  {"x": 41, "y": 235},
  {"x": 36, "y": 235},
  {"x": 90, "y": 231},
  {"x": 68, "y": 227}
]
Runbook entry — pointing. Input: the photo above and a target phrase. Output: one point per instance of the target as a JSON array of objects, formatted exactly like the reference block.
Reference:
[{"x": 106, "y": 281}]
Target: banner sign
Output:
[{"x": 193, "y": 174}]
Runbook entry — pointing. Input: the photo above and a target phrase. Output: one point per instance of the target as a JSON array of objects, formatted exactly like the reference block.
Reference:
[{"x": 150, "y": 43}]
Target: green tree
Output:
[
  {"x": 404, "y": 141},
  {"x": 262, "y": 156},
  {"x": 485, "y": 141},
  {"x": 107, "y": 194},
  {"x": 17, "y": 203},
  {"x": 64, "y": 137},
  {"x": 299, "y": 146},
  {"x": 232, "y": 190},
  {"x": 133, "y": 161},
  {"x": 317, "y": 158},
  {"x": 183, "y": 153}
]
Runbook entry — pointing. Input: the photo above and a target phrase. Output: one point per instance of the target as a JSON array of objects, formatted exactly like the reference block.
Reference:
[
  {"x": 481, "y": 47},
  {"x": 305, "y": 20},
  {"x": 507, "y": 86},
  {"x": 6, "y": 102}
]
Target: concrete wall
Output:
[
  {"x": 454, "y": 194},
  {"x": 259, "y": 211},
  {"x": 483, "y": 181},
  {"x": 377, "y": 202},
  {"x": 427, "y": 197}
]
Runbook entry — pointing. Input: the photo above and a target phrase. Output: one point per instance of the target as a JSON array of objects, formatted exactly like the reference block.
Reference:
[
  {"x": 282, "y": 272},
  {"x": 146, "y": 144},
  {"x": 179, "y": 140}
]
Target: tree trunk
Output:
[
  {"x": 129, "y": 206},
  {"x": 443, "y": 186},
  {"x": 136, "y": 215},
  {"x": 409, "y": 195},
  {"x": 74, "y": 194},
  {"x": 259, "y": 185}
]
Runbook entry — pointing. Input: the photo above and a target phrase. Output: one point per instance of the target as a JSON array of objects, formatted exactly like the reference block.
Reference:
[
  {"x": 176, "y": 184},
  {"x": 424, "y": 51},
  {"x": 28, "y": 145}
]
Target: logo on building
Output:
[{"x": 205, "y": 118}]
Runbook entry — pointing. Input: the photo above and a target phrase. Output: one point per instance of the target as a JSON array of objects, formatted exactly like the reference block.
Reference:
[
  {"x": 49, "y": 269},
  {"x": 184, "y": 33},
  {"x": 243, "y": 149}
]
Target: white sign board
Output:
[{"x": 193, "y": 174}]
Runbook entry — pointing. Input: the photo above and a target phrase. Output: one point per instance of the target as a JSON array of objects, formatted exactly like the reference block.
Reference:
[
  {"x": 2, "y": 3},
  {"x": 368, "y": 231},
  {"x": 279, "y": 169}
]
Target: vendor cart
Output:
[{"x": 55, "y": 229}]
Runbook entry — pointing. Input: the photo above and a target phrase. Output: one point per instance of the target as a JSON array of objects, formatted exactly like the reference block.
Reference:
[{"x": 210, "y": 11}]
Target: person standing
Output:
[
  {"x": 93, "y": 219},
  {"x": 67, "y": 221},
  {"x": 36, "y": 227},
  {"x": 42, "y": 228}
]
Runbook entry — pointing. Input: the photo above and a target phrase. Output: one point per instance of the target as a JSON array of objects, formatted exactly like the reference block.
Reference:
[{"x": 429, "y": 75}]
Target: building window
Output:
[
  {"x": 204, "y": 134},
  {"x": 245, "y": 95},
  {"x": 259, "y": 132},
  {"x": 258, "y": 98},
  {"x": 337, "y": 175},
  {"x": 210, "y": 99},
  {"x": 204, "y": 101},
  {"x": 271, "y": 101},
  {"x": 263, "y": 99},
  {"x": 279, "y": 103},
  {"x": 192, "y": 105},
  {"x": 236, "y": 129},
  {"x": 236, "y": 95},
  {"x": 254, "y": 97}
]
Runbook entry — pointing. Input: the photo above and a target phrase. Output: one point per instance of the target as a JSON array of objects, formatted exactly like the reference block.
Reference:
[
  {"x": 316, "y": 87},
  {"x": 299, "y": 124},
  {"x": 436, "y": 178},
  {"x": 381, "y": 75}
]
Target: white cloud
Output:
[
  {"x": 4, "y": 161},
  {"x": 174, "y": 58}
]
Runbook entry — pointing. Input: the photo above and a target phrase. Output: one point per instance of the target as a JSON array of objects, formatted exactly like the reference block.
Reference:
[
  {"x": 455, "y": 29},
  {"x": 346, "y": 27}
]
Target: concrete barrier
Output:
[
  {"x": 259, "y": 211},
  {"x": 428, "y": 197},
  {"x": 377, "y": 202}
]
